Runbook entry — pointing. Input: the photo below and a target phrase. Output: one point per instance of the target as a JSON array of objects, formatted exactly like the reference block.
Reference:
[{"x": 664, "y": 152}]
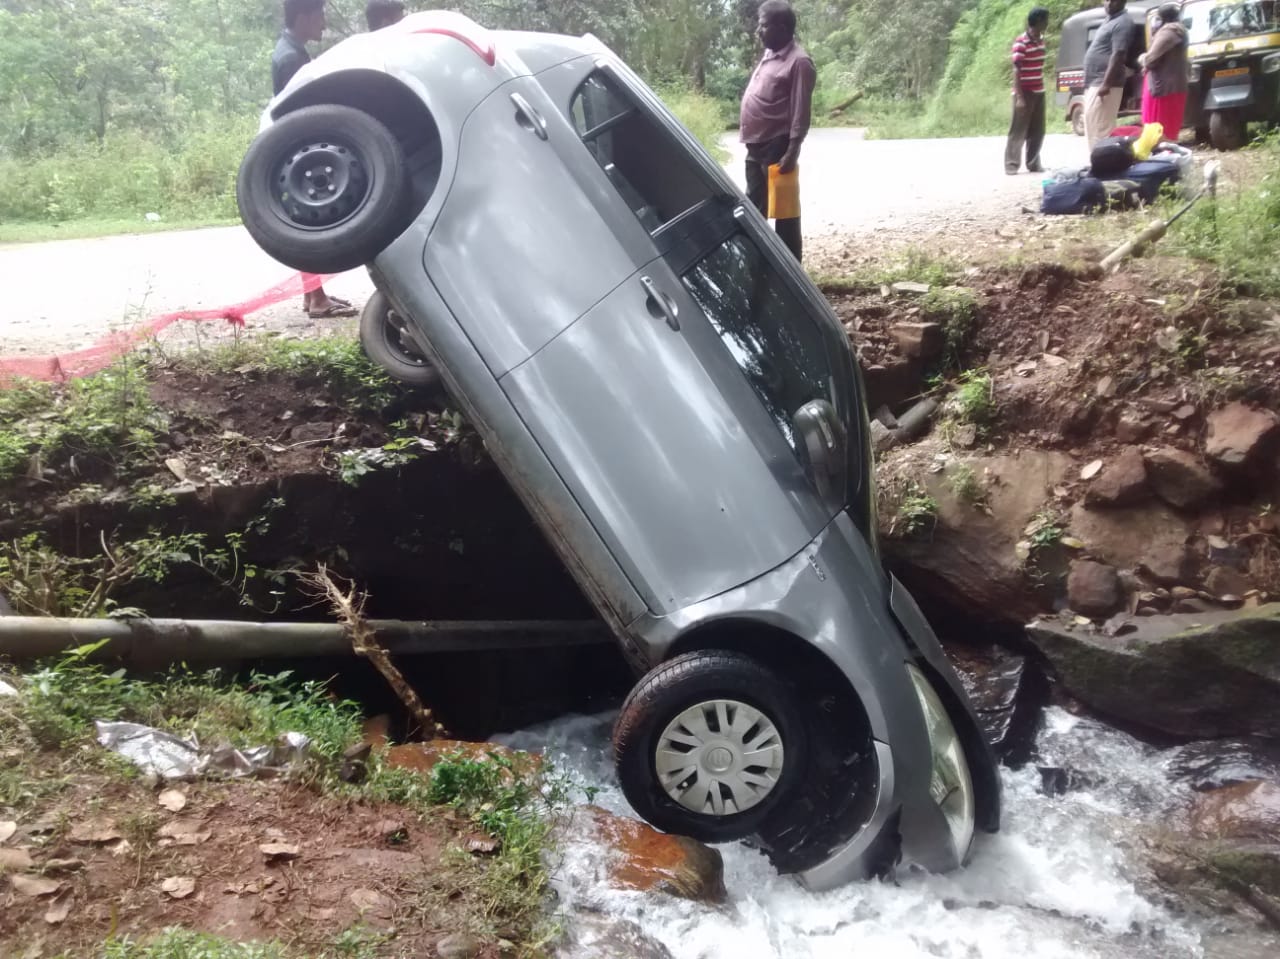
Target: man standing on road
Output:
[
  {"x": 1027, "y": 128},
  {"x": 1105, "y": 70},
  {"x": 303, "y": 24},
  {"x": 776, "y": 109},
  {"x": 383, "y": 13}
]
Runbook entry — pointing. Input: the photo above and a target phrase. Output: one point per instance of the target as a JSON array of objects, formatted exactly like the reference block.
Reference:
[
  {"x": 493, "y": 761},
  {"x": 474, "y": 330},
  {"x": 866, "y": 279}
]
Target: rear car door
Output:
[{"x": 643, "y": 406}]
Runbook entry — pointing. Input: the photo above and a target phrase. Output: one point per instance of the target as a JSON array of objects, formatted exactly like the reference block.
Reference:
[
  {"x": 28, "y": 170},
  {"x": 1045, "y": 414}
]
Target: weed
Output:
[
  {"x": 918, "y": 265},
  {"x": 336, "y": 363},
  {"x": 910, "y": 507},
  {"x": 1044, "y": 531},
  {"x": 701, "y": 115},
  {"x": 187, "y": 944},
  {"x": 965, "y": 484},
  {"x": 956, "y": 308},
  {"x": 973, "y": 401},
  {"x": 354, "y": 465}
]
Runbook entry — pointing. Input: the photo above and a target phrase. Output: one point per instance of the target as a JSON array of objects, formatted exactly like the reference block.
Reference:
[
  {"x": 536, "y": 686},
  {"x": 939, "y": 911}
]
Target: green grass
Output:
[
  {"x": 357, "y": 942},
  {"x": 707, "y": 118},
  {"x": 1240, "y": 233},
  {"x": 972, "y": 401},
  {"x": 107, "y": 417},
  {"x": 36, "y": 231}
]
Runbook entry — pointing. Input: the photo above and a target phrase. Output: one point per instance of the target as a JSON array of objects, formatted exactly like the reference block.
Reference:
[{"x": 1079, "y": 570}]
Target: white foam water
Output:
[{"x": 1058, "y": 882}]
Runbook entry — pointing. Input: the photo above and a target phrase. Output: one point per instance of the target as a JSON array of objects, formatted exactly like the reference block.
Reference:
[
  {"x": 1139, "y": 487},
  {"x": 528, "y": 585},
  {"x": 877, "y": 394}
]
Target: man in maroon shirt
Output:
[
  {"x": 776, "y": 108},
  {"x": 1027, "y": 128}
]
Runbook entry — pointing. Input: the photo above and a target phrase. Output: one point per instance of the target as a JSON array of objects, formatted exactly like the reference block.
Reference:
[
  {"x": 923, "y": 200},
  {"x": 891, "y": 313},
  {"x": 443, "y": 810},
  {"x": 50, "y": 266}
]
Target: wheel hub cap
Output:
[
  {"x": 321, "y": 184},
  {"x": 719, "y": 757}
]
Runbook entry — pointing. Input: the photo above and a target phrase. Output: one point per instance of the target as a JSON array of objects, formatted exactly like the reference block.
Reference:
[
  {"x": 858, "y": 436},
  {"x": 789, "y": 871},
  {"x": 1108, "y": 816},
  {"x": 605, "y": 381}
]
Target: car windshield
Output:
[{"x": 1208, "y": 20}]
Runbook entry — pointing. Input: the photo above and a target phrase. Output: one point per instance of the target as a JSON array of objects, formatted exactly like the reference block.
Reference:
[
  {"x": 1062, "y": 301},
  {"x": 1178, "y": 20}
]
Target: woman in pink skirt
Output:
[{"x": 1164, "y": 90}]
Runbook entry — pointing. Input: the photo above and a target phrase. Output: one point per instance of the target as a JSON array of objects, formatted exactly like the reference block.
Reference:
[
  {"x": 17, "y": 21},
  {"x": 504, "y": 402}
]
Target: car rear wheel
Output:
[
  {"x": 325, "y": 189},
  {"x": 709, "y": 745},
  {"x": 386, "y": 341},
  {"x": 1226, "y": 129},
  {"x": 1077, "y": 121}
]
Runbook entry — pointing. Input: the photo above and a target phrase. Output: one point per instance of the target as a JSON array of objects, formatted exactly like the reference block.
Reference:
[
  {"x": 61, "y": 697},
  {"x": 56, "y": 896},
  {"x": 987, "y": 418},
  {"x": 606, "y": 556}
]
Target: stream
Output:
[{"x": 1062, "y": 880}]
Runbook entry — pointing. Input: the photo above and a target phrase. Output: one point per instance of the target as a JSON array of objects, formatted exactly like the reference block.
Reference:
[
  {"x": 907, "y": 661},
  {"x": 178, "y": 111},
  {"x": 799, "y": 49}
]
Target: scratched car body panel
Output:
[{"x": 677, "y": 406}]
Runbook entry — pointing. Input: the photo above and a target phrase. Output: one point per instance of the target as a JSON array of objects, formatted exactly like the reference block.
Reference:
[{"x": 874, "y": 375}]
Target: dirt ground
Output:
[{"x": 257, "y": 861}]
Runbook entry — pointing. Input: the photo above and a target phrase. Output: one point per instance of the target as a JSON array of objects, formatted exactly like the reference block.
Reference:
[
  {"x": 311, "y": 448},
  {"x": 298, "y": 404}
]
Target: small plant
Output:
[
  {"x": 911, "y": 507},
  {"x": 965, "y": 484},
  {"x": 354, "y": 465},
  {"x": 956, "y": 308},
  {"x": 974, "y": 400},
  {"x": 187, "y": 944}
]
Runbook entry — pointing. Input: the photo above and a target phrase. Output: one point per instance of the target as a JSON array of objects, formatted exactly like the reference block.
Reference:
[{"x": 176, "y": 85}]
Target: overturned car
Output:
[{"x": 675, "y": 403}]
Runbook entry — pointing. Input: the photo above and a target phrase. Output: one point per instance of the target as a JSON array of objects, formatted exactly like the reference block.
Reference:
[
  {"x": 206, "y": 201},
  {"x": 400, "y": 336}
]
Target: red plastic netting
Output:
[{"x": 102, "y": 354}]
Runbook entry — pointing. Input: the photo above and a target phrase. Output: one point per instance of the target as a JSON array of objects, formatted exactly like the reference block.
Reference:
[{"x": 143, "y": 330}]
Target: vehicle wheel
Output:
[
  {"x": 325, "y": 189},
  {"x": 1077, "y": 121},
  {"x": 383, "y": 338},
  {"x": 1226, "y": 130},
  {"x": 708, "y": 745}
]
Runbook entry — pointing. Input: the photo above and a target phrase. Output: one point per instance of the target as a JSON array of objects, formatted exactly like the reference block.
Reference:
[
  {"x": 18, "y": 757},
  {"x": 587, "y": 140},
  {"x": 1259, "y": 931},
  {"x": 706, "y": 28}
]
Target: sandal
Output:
[{"x": 337, "y": 309}]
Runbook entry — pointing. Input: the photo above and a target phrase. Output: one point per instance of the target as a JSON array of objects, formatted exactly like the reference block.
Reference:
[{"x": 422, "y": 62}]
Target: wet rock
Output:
[
  {"x": 1058, "y": 780},
  {"x": 1247, "y": 810},
  {"x": 1193, "y": 605},
  {"x": 919, "y": 341},
  {"x": 1215, "y": 763},
  {"x": 1180, "y": 479},
  {"x": 1151, "y": 537},
  {"x": 602, "y": 937},
  {"x": 1203, "y": 676},
  {"x": 1094, "y": 588},
  {"x": 1225, "y": 581},
  {"x": 423, "y": 757},
  {"x": 1237, "y": 434},
  {"x": 971, "y": 558},
  {"x": 458, "y": 946},
  {"x": 650, "y": 861},
  {"x": 1123, "y": 482},
  {"x": 1007, "y": 693}
]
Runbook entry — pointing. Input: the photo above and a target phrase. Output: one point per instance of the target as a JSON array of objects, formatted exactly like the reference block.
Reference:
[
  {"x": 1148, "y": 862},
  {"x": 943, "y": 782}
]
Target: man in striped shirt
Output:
[{"x": 1027, "y": 129}]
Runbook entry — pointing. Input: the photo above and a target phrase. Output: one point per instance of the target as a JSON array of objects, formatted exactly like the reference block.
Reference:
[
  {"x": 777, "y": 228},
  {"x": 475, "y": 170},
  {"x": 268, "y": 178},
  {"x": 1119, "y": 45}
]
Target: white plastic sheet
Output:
[{"x": 170, "y": 757}]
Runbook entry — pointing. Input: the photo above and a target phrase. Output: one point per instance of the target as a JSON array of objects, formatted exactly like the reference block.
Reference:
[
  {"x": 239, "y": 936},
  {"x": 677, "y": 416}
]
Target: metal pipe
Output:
[{"x": 157, "y": 642}]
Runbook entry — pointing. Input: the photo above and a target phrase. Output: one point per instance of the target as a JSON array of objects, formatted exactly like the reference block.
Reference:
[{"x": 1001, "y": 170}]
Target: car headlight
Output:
[
  {"x": 1271, "y": 63},
  {"x": 1195, "y": 73},
  {"x": 950, "y": 783}
]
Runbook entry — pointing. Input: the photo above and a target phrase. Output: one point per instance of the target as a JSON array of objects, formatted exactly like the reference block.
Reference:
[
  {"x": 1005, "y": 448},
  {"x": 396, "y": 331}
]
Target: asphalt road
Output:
[{"x": 67, "y": 294}]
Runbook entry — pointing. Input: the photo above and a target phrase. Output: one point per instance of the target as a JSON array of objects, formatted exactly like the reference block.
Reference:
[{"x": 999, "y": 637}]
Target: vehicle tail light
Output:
[{"x": 447, "y": 24}]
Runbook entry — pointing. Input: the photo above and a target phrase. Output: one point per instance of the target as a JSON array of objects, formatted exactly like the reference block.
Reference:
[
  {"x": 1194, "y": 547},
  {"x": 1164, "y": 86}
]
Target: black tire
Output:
[
  {"x": 382, "y": 341},
  {"x": 1227, "y": 130},
  {"x": 665, "y": 693},
  {"x": 1077, "y": 121},
  {"x": 354, "y": 171}
]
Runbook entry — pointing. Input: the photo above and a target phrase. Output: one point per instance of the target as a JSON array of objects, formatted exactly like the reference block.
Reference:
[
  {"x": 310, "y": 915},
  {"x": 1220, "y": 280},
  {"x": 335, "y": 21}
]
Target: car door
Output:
[
  {"x": 519, "y": 250},
  {"x": 643, "y": 407}
]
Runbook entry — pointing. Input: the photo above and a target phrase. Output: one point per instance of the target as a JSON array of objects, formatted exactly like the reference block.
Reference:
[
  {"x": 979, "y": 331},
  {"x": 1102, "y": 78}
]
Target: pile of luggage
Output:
[{"x": 1126, "y": 170}]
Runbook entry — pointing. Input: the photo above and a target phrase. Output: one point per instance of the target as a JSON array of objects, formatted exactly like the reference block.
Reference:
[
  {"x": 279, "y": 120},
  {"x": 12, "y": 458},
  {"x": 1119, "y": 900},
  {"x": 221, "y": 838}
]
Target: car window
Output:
[
  {"x": 766, "y": 329},
  {"x": 650, "y": 169}
]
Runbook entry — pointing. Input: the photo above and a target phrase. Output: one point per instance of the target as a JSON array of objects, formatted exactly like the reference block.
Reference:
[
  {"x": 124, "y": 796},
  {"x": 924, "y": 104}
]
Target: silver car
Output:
[{"x": 675, "y": 403}]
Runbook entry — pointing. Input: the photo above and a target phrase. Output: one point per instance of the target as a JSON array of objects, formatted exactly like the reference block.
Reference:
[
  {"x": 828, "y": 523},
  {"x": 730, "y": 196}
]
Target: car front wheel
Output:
[
  {"x": 324, "y": 189},
  {"x": 708, "y": 745}
]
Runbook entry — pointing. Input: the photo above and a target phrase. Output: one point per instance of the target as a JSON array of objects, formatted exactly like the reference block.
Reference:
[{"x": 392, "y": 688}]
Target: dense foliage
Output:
[{"x": 122, "y": 107}]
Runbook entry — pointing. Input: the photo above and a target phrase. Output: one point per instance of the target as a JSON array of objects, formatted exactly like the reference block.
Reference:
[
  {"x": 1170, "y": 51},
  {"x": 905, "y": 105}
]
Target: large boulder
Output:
[
  {"x": 1247, "y": 810},
  {"x": 1151, "y": 537},
  {"x": 1196, "y": 676},
  {"x": 1180, "y": 479},
  {"x": 1237, "y": 434},
  {"x": 1123, "y": 481},
  {"x": 971, "y": 558}
]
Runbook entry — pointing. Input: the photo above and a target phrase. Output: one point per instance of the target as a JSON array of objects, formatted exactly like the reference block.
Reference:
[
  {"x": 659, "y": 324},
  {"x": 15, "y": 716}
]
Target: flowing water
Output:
[{"x": 1062, "y": 880}]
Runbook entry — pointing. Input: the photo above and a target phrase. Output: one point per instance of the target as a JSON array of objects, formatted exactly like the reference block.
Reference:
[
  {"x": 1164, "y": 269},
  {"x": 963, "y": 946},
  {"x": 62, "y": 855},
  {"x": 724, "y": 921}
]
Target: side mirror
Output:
[{"x": 825, "y": 445}]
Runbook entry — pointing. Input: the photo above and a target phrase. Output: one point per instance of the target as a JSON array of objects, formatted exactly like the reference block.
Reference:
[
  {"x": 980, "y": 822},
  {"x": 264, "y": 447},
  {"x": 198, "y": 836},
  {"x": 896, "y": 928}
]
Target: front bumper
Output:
[{"x": 835, "y": 596}]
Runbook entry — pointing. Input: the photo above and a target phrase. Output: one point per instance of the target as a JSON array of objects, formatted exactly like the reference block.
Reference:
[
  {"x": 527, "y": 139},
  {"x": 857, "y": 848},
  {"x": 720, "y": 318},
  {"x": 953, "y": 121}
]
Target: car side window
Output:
[
  {"x": 649, "y": 168},
  {"x": 766, "y": 329}
]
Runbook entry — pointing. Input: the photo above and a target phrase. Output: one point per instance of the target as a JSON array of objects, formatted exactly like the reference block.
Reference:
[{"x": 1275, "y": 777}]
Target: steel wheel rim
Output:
[
  {"x": 393, "y": 334},
  {"x": 719, "y": 757},
  {"x": 320, "y": 184}
]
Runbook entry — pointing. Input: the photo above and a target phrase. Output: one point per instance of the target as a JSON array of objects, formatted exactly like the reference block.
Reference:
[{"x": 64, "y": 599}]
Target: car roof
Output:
[{"x": 1137, "y": 10}]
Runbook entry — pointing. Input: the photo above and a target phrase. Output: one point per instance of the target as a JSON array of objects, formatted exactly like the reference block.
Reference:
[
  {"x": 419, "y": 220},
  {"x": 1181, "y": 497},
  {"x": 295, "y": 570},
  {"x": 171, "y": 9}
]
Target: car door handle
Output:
[
  {"x": 660, "y": 305},
  {"x": 528, "y": 117}
]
